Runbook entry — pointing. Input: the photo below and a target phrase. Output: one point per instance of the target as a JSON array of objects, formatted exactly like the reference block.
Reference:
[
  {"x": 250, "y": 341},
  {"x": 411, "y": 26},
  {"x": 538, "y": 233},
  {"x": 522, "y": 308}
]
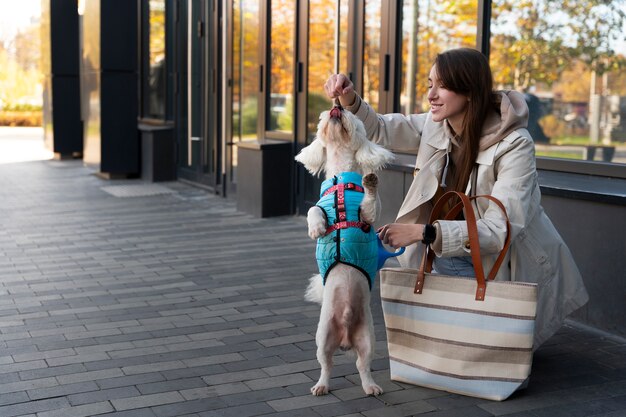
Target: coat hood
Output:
[{"x": 511, "y": 114}]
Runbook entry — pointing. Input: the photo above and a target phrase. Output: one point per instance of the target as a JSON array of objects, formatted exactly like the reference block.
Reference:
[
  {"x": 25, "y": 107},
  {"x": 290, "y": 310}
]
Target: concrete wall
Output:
[{"x": 596, "y": 235}]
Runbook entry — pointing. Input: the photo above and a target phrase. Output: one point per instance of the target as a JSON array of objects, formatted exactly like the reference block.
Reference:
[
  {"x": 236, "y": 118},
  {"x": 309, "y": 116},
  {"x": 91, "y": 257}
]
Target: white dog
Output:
[{"x": 341, "y": 150}]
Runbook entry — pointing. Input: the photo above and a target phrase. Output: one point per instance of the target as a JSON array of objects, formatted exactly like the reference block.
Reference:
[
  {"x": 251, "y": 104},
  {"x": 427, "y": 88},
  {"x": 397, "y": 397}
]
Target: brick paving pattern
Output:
[{"x": 172, "y": 303}]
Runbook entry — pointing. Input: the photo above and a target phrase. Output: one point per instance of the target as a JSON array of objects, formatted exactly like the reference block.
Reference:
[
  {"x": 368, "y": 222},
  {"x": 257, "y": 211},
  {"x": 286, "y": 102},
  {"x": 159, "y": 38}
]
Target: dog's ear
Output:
[
  {"x": 313, "y": 157},
  {"x": 372, "y": 157}
]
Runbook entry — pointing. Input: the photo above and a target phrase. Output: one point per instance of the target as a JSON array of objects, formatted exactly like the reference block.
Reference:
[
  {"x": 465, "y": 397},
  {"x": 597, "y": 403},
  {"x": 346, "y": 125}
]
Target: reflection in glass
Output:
[
  {"x": 428, "y": 28},
  {"x": 371, "y": 52},
  {"x": 236, "y": 90},
  {"x": 157, "y": 80},
  {"x": 245, "y": 75},
  {"x": 343, "y": 36},
  {"x": 181, "y": 99},
  {"x": 282, "y": 67},
  {"x": 245, "y": 69},
  {"x": 321, "y": 58},
  {"x": 570, "y": 65}
]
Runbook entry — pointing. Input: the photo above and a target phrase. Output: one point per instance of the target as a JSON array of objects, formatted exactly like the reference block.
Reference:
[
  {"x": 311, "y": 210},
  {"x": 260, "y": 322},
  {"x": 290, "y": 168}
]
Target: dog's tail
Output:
[{"x": 315, "y": 291}]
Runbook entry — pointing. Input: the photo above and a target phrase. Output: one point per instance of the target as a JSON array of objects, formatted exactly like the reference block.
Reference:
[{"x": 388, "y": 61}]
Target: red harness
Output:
[{"x": 341, "y": 208}]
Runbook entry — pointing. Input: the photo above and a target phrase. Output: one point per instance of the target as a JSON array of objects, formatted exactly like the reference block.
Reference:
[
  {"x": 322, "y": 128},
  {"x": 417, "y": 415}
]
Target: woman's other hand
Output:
[
  {"x": 398, "y": 235},
  {"x": 340, "y": 86}
]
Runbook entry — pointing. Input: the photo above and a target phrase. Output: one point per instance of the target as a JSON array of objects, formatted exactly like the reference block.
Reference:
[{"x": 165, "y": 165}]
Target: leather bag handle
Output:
[
  {"x": 470, "y": 217},
  {"x": 453, "y": 213}
]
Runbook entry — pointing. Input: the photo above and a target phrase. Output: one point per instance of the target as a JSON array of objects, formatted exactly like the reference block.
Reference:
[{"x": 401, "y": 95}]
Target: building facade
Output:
[{"x": 224, "y": 93}]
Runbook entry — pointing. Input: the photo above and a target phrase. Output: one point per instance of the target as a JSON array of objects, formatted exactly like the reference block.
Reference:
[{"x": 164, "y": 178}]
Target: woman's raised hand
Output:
[{"x": 340, "y": 86}]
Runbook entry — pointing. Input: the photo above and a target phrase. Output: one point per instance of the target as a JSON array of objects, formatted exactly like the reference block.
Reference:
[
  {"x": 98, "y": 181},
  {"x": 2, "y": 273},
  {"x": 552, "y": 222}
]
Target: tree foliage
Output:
[
  {"x": 282, "y": 46},
  {"x": 436, "y": 27},
  {"x": 535, "y": 41},
  {"x": 17, "y": 82}
]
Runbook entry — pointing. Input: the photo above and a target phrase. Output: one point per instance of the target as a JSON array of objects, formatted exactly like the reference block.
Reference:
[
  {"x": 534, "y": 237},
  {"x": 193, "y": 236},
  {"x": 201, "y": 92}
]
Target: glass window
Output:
[
  {"x": 157, "y": 83},
  {"x": 428, "y": 28},
  {"x": 371, "y": 52},
  {"x": 237, "y": 64},
  {"x": 344, "y": 10},
  {"x": 322, "y": 19},
  {"x": 282, "y": 54},
  {"x": 245, "y": 69},
  {"x": 568, "y": 59}
]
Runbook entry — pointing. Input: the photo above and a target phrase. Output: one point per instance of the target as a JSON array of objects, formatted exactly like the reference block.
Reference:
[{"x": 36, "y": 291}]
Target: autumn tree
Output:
[
  {"x": 535, "y": 41},
  {"x": 282, "y": 46},
  {"x": 245, "y": 68},
  {"x": 371, "y": 53},
  {"x": 28, "y": 48},
  {"x": 20, "y": 73},
  {"x": 250, "y": 41},
  {"x": 436, "y": 28},
  {"x": 595, "y": 26},
  {"x": 321, "y": 63}
]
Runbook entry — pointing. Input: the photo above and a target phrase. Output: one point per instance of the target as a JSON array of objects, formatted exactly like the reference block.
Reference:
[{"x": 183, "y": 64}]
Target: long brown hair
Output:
[{"x": 466, "y": 71}]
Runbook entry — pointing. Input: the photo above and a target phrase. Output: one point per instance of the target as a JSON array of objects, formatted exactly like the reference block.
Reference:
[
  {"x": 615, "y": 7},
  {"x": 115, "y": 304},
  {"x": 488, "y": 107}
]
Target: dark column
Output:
[
  {"x": 62, "y": 122},
  {"x": 110, "y": 86}
]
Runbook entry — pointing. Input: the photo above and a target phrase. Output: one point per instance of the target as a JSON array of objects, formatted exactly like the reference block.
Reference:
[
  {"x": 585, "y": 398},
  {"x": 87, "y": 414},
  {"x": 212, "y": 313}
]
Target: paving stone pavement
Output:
[{"x": 166, "y": 301}]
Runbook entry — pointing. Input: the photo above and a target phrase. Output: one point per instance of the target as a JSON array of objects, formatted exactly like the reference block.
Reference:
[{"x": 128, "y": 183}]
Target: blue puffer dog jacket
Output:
[{"x": 347, "y": 240}]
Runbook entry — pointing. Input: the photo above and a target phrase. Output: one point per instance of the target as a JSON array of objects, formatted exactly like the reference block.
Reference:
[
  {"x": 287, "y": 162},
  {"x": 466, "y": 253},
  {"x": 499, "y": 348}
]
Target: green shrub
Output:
[
  {"x": 249, "y": 116},
  {"x": 552, "y": 126},
  {"x": 285, "y": 119},
  {"x": 22, "y": 107},
  {"x": 21, "y": 118}
]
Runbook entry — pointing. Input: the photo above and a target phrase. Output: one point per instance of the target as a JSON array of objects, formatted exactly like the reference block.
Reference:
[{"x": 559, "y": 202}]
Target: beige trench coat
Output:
[{"x": 505, "y": 170}]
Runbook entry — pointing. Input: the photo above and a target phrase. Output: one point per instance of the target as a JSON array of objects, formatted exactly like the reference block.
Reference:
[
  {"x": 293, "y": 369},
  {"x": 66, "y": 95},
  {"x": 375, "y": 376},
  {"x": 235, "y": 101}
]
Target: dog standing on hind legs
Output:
[{"x": 346, "y": 251}]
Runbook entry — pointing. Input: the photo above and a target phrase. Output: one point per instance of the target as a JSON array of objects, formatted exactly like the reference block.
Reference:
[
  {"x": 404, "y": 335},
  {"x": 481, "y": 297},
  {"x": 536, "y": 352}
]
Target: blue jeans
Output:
[{"x": 456, "y": 266}]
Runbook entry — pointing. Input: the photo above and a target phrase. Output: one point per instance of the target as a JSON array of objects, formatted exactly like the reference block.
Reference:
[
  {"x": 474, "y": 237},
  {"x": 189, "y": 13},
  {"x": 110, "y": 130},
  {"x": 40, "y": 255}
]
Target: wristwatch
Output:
[{"x": 429, "y": 235}]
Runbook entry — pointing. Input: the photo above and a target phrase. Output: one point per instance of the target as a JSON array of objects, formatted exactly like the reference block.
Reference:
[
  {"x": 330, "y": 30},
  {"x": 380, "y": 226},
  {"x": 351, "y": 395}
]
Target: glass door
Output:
[
  {"x": 280, "y": 81},
  {"x": 198, "y": 93},
  {"x": 242, "y": 89},
  {"x": 324, "y": 50}
]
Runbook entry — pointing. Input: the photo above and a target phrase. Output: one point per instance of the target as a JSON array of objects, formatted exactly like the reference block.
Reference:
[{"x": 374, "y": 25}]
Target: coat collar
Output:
[
  {"x": 435, "y": 135},
  {"x": 440, "y": 140},
  {"x": 438, "y": 136},
  {"x": 487, "y": 156}
]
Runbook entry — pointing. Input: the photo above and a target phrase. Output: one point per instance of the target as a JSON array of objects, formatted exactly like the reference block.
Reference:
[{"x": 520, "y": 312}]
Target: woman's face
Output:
[{"x": 444, "y": 103}]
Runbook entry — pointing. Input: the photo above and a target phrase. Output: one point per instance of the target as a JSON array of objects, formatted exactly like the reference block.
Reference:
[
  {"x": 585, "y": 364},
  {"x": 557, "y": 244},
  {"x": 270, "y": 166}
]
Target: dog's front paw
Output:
[
  {"x": 317, "y": 230},
  {"x": 319, "y": 389},
  {"x": 316, "y": 220},
  {"x": 370, "y": 181}
]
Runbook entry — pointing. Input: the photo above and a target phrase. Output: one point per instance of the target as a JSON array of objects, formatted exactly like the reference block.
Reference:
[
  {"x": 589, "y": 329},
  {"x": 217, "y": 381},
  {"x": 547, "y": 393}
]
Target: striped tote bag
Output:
[{"x": 470, "y": 336}]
